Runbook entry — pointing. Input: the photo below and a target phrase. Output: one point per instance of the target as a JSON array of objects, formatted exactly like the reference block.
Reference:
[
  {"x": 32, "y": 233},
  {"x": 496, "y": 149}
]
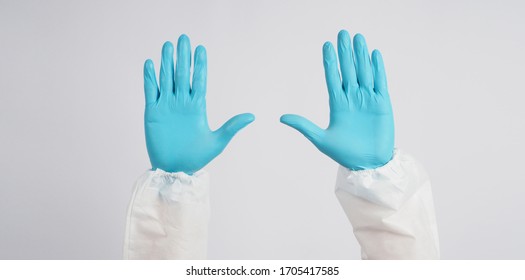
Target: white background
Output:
[{"x": 71, "y": 120}]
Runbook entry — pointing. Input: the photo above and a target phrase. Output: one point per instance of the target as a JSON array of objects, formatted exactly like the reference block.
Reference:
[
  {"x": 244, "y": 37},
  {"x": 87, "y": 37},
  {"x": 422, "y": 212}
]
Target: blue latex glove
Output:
[
  {"x": 361, "y": 130},
  {"x": 178, "y": 137}
]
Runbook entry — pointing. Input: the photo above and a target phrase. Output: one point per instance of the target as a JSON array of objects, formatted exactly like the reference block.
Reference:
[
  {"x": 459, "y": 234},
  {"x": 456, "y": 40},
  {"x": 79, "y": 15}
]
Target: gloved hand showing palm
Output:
[
  {"x": 361, "y": 130},
  {"x": 178, "y": 137}
]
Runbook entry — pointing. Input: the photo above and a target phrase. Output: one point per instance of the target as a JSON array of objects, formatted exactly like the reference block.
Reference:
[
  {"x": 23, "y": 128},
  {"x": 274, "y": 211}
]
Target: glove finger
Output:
[
  {"x": 233, "y": 125},
  {"x": 380, "y": 85},
  {"x": 151, "y": 90},
  {"x": 364, "y": 68},
  {"x": 198, "y": 88},
  {"x": 166, "y": 70},
  {"x": 182, "y": 68},
  {"x": 333, "y": 80},
  {"x": 310, "y": 130},
  {"x": 346, "y": 61}
]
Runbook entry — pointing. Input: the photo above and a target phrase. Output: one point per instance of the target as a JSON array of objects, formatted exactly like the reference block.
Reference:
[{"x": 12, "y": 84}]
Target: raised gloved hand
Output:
[
  {"x": 361, "y": 130},
  {"x": 178, "y": 137}
]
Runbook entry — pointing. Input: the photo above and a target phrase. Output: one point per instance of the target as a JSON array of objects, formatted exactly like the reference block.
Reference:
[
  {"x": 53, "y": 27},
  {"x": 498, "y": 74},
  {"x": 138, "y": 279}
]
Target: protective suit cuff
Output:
[
  {"x": 389, "y": 185},
  {"x": 179, "y": 186}
]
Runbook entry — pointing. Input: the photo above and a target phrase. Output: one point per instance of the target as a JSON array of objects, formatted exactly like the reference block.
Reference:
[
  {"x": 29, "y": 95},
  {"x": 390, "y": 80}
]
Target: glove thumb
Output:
[
  {"x": 303, "y": 125},
  {"x": 233, "y": 125}
]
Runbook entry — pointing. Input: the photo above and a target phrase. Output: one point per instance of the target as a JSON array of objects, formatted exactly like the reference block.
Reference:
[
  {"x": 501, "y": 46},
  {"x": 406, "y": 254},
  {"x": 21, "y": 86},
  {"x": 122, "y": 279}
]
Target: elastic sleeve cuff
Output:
[
  {"x": 180, "y": 187},
  {"x": 389, "y": 185}
]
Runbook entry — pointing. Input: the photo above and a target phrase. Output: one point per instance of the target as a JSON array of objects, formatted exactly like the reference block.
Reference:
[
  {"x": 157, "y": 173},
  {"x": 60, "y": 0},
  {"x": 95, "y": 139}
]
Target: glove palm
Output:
[
  {"x": 360, "y": 134},
  {"x": 178, "y": 137}
]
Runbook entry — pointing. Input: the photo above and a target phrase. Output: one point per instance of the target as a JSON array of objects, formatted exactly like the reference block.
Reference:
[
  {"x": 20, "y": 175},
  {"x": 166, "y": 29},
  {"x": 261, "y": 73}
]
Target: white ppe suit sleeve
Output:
[
  {"x": 391, "y": 209},
  {"x": 168, "y": 216}
]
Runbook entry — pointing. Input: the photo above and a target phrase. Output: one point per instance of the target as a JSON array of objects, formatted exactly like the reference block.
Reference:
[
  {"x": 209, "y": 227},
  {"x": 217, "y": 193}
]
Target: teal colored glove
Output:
[
  {"x": 178, "y": 137},
  {"x": 361, "y": 130}
]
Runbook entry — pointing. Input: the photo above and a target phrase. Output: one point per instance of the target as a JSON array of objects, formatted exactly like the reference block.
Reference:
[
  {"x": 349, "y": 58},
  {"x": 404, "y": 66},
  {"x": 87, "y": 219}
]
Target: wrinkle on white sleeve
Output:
[
  {"x": 391, "y": 209},
  {"x": 168, "y": 216}
]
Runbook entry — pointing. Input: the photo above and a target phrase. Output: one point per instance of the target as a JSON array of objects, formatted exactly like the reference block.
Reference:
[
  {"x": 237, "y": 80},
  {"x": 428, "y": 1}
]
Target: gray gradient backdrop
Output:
[{"x": 71, "y": 120}]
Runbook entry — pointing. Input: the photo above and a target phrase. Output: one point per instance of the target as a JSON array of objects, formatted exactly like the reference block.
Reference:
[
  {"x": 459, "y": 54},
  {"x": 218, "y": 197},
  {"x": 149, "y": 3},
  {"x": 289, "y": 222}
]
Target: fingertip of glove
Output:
[
  {"x": 282, "y": 119},
  {"x": 148, "y": 64},
  {"x": 287, "y": 119},
  {"x": 167, "y": 46},
  {"x": 183, "y": 37},
  {"x": 249, "y": 117},
  {"x": 343, "y": 34},
  {"x": 327, "y": 46}
]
